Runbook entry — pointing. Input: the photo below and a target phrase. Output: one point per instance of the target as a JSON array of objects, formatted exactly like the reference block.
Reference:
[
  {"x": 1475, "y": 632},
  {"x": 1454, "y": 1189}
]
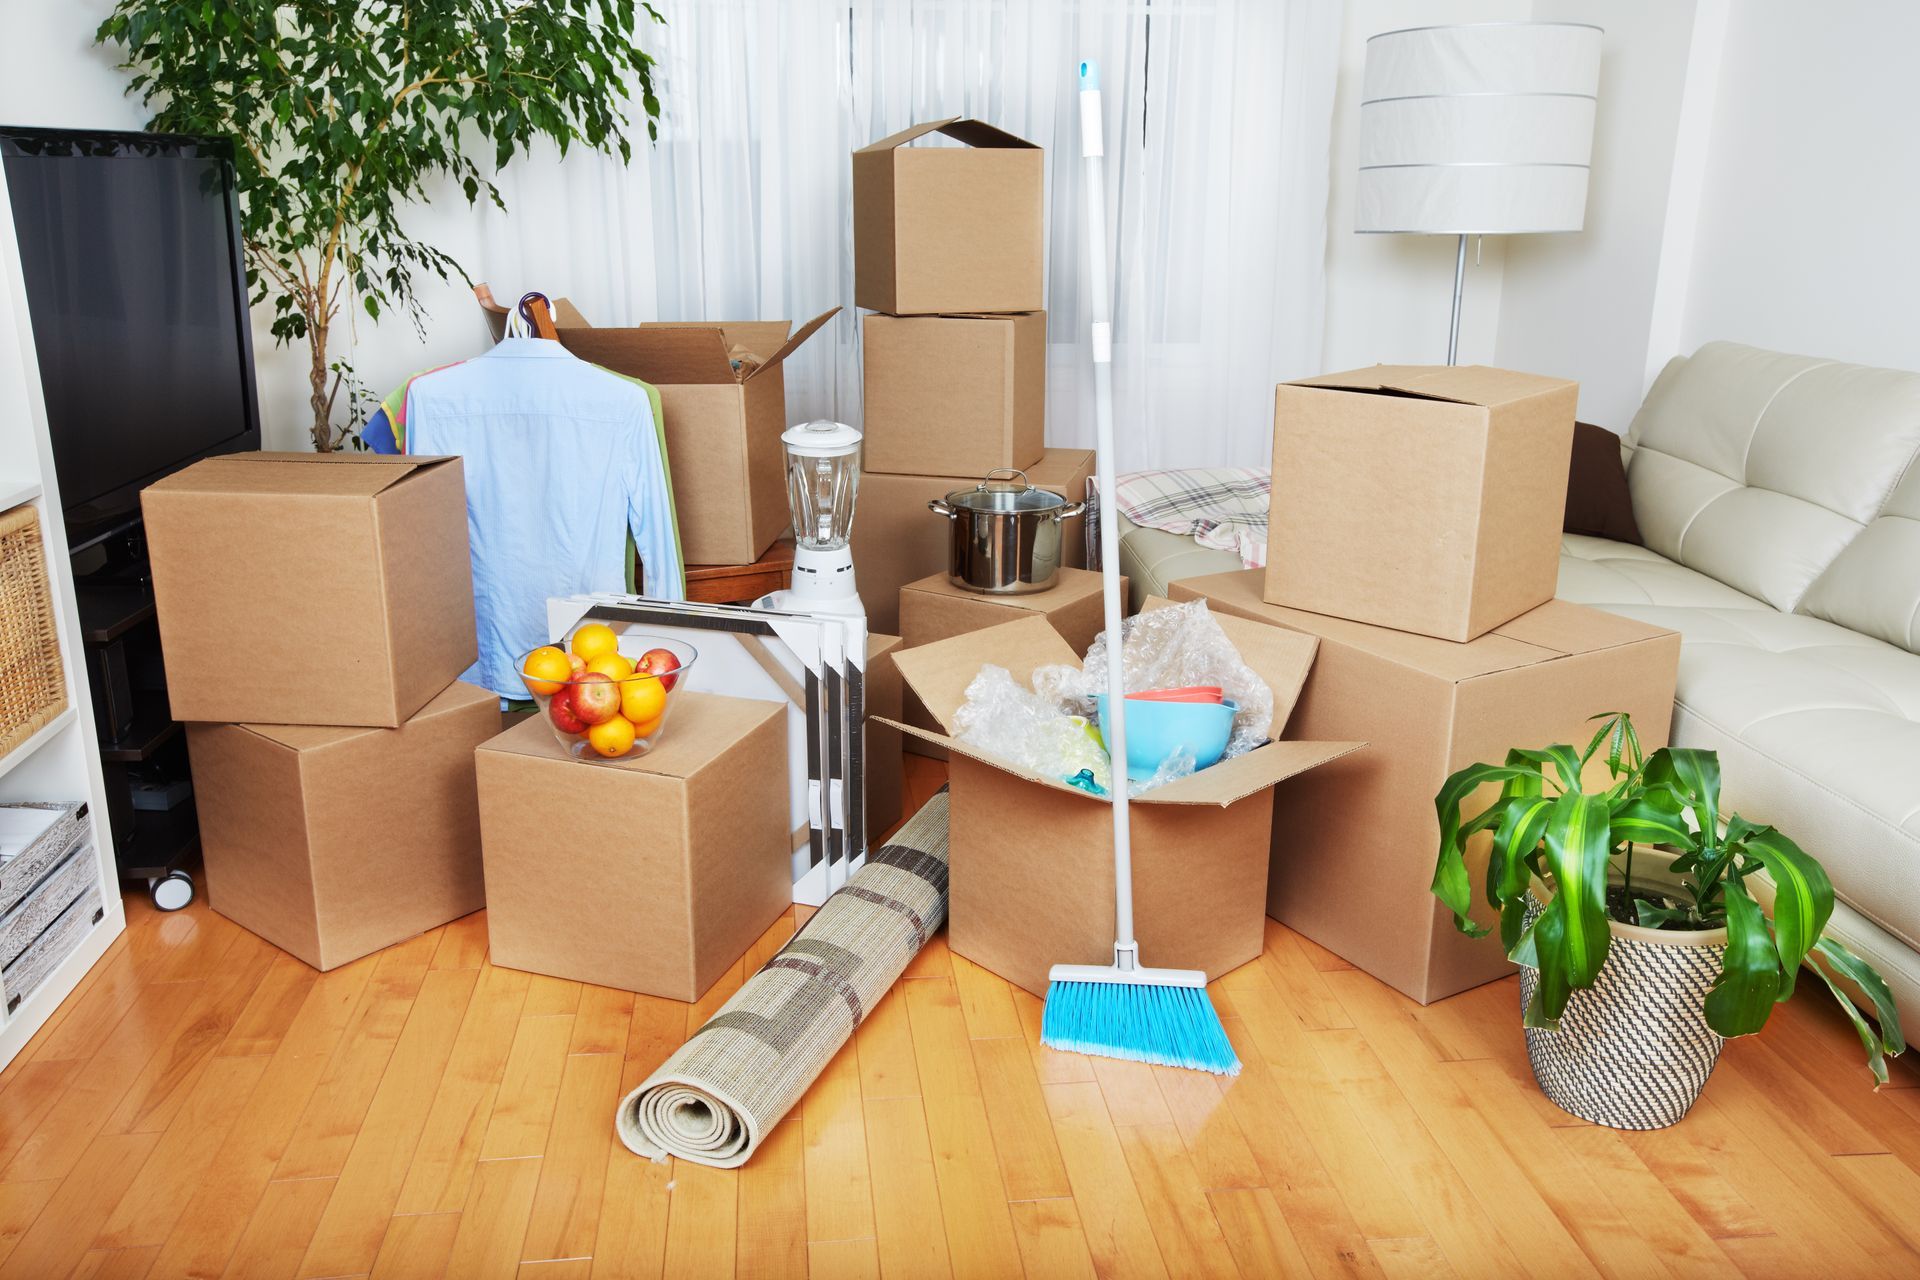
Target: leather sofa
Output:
[{"x": 1778, "y": 497}]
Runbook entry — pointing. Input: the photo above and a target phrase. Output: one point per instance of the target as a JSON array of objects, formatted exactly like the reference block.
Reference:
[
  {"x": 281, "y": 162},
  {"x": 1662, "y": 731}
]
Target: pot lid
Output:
[
  {"x": 821, "y": 439},
  {"x": 999, "y": 493}
]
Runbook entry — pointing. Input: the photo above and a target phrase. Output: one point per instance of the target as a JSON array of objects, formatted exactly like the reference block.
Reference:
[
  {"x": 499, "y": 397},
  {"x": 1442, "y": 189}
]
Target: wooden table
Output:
[{"x": 739, "y": 583}]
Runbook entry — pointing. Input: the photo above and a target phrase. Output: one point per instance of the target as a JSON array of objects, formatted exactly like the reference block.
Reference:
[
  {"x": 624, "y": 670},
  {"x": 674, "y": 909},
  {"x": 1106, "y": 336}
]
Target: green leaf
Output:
[
  {"x": 1565, "y": 761},
  {"x": 1652, "y": 916},
  {"x": 1889, "y": 1040},
  {"x": 1655, "y": 817},
  {"x": 1451, "y": 883},
  {"x": 1547, "y": 943},
  {"x": 1802, "y": 899},
  {"x": 1743, "y": 995},
  {"x": 1578, "y": 849},
  {"x": 1523, "y": 820}
]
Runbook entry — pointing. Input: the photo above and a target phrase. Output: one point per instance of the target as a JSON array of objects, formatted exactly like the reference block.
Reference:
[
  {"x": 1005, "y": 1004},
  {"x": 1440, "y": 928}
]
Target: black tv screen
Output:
[{"x": 131, "y": 248}]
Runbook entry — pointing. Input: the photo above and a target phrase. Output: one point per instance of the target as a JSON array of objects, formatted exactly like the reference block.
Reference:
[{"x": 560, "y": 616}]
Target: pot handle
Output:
[
  {"x": 1007, "y": 472},
  {"x": 939, "y": 507},
  {"x": 1069, "y": 511}
]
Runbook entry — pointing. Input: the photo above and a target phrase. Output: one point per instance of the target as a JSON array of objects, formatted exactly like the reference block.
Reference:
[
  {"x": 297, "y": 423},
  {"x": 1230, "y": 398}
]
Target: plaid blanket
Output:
[{"x": 1220, "y": 507}]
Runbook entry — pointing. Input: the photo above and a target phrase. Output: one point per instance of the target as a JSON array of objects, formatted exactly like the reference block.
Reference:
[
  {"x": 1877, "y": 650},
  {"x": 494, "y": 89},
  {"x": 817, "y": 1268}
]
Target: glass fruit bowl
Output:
[{"x": 606, "y": 696}]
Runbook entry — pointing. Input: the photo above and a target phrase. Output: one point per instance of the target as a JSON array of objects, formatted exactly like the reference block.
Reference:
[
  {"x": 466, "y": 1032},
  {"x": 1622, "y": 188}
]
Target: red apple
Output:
[
  {"x": 596, "y": 697},
  {"x": 560, "y": 711},
  {"x": 659, "y": 662},
  {"x": 578, "y": 663}
]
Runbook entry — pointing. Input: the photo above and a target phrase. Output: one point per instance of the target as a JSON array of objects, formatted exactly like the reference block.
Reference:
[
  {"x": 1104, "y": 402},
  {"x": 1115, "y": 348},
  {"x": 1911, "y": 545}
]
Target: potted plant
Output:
[{"x": 1635, "y": 964}]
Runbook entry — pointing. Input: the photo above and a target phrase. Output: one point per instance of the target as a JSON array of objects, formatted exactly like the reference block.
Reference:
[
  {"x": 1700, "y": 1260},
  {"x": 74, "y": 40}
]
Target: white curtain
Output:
[{"x": 1217, "y": 115}]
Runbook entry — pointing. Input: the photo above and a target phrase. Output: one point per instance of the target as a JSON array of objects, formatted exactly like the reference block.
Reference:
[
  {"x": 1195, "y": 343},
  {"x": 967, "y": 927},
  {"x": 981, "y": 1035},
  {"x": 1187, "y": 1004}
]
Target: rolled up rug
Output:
[{"x": 721, "y": 1092}]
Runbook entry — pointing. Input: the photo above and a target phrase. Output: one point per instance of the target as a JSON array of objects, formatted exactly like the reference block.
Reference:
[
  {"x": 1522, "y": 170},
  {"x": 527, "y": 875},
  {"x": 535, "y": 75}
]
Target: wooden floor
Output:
[{"x": 206, "y": 1105}]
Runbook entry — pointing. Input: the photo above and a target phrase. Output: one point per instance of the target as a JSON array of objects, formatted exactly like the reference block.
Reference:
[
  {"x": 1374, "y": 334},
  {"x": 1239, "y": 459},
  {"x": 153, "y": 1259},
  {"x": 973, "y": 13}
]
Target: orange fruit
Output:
[
  {"x": 646, "y": 728},
  {"x": 612, "y": 738},
  {"x": 614, "y": 666},
  {"x": 642, "y": 699},
  {"x": 595, "y": 639},
  {"x": 547, "y": 670}
]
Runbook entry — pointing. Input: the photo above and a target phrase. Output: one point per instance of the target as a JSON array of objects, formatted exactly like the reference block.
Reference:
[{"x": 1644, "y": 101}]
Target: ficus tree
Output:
[{"x": 341, "y": 112}]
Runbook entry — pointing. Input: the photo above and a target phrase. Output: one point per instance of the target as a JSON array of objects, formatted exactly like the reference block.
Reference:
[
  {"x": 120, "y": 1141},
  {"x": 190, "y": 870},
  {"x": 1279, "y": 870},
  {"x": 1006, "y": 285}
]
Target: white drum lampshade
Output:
[{"x": 1485, "y": 129}]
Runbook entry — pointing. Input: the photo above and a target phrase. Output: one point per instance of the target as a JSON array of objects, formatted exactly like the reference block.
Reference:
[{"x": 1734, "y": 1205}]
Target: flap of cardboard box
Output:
[
  {"x": 940, "y": 672},
  {"x": 1475, "y": 384},
  {"x": 973, "y": 133},
  {"x": 678, "y": 354},
  {"x": 325, "y": 475},
  {"x": 457, "y": 696}
]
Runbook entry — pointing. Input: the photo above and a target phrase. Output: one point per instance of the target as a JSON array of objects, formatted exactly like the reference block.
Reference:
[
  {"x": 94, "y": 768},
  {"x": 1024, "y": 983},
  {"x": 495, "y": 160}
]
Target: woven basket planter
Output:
[
  {"x": 1634, "y": 1050},
  {"x": 33, "y": 686}
]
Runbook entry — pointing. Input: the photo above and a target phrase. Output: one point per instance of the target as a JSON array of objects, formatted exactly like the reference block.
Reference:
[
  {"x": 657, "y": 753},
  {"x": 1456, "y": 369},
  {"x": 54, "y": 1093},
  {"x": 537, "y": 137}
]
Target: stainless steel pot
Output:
[{"x": 1005, "y": 535}]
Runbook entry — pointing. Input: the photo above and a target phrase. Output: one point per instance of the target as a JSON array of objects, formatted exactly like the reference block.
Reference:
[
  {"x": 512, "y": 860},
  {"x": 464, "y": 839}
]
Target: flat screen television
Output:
[{"x": 131, "y": 244}]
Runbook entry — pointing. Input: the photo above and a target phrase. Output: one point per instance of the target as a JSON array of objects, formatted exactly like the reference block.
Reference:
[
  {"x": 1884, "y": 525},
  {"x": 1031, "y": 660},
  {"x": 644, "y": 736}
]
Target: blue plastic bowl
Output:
[{"x": 1155, "y": 730}]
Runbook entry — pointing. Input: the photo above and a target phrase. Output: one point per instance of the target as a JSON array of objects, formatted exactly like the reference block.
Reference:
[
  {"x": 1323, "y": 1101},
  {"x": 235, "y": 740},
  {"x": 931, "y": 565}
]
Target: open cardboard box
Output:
[
  {"x": 1031, "y": 867},
  {"x": 1423, "y": 498}
]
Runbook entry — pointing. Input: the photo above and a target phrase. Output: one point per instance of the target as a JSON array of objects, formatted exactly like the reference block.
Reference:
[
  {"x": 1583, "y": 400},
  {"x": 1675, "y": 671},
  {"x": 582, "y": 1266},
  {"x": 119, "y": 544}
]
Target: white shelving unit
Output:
[{"x": 60, "y": 762}]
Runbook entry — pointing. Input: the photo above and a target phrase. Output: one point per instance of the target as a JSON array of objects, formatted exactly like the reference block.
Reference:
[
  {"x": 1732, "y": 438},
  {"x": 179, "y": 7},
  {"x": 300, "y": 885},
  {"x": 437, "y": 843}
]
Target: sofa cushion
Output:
[
  {"x": 1758, "y": 469},
  {"x": 1600, "y": 570},
  {"x": 1874, "y": 587},
  {"x": 1817, "y": 726}
]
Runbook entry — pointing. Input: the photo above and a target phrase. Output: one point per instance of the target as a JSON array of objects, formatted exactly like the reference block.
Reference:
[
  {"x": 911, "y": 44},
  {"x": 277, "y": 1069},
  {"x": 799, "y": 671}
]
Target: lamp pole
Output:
[{"x": 1459, "y": 277}]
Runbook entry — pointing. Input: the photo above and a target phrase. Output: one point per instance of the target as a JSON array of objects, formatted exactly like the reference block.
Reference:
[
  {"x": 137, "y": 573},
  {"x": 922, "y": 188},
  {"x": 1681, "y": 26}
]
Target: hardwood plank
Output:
[
  {"x": 20, "y": 1204},
  {"x": 495, "y": 1219},
  {"x": 1051, "y": 1241},
  {"x": 1051, "y": 1066},
  {"x": 1199, "y": 1109},
  {"x": 324, "y": 1137},
  {"x": 65, "y": 1227},
  {"x": 557, "y": 1269},
  {"x": 973, "y": 1199},
  {"x": 1017, "y": 1112},
  {"x": 906, "y": 1196},
  {"x": 271, "y": 1009},
  {"x": 463, "y": 943},
  {"x": 1299, "y": 983},
  {"x": 441, "y": 1170},
  {"x": 1257, "y": 1232},
  {"x": 30, "y": 1097},
  {"x": 1683, "y": 1246},
  {"x": 600, "y": 1024},
  {"x": 1131, "y": 1092},
  {"x": 986, "y": 1001},
  {"x": 657, "y": 1029},
  {"x": 935, "y": 960},
  {"x": 631, "y": 1238},
  {"x": 348, "y": 1238},
  {"x": 153, "y": 1206},
  {"x": 116, "y": 1264},
  {"x": 843, "y": 1260},
  {"x": 772, "y": 1236},
  {"x": 566, "y": 1204},
  {"x": 1112, "y": 1215},
  {"x": 417, "y": 1246},
  {"x": 89, "y": 1016},
  {"x": 1415, "y": 1258},
  {"x": 833, "y": 1126},
  {"x": 1177, "y": 1210},
  {"x": 523, "y": 1111},
  {"x": 884, "y": 1046},
  {"x": 550, "y": 995},
  {"x": 702, "y": 1222}
]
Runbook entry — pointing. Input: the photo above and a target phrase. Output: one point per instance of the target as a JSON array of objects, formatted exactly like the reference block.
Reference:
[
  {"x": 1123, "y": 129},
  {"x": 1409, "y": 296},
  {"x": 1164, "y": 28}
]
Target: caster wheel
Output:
[{"x": 171, "y": 891}]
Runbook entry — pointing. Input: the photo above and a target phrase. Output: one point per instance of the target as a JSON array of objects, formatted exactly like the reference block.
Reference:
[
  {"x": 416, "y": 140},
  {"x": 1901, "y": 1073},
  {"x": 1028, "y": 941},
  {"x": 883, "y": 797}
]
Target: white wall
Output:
[{"x": 1807, "y": 231}]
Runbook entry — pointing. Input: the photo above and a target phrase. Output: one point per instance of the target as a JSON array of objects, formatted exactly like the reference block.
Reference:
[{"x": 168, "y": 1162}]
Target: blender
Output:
[{"x": 823, "y": 477}]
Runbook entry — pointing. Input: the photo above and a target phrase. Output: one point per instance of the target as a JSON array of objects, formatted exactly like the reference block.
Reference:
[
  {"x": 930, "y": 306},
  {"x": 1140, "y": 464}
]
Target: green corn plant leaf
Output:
[
  {"x": 1451, "y": 884},
  {"x": 1880, "y": 1044},
  {"x": 1565, "y": 762},
  {"x": 1652, "y": 916},
  {"x": 1802, "y": 899},
  {"x": 1578, "y": 849},
  {"x": 1514, "y": 935},
  {"x": 1622, "y": 743},
  {"x": 1743, "y": 995},
  {"x": 1544, "y": 949},
  {"x": 1652, "y": 818},
  {"x": 1697, "y": 775},
  {"x": 1523, "y": 820}
]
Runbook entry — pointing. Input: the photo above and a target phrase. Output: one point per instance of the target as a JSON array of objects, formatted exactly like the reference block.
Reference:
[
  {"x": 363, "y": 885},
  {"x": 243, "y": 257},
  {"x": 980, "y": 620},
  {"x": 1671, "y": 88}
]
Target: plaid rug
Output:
[
  {"x": 1220, "y": 507},
  {"x": 724, "y": 1089}
]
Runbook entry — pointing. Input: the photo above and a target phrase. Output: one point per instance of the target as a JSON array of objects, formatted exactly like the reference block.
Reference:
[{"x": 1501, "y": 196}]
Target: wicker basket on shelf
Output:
[{"x": 33, "y": 686}]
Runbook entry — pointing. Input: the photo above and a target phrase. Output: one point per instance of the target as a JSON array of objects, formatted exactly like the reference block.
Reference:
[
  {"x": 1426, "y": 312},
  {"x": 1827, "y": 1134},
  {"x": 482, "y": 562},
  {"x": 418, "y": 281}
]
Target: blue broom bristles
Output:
[{"x": 1140, "y": 1022}]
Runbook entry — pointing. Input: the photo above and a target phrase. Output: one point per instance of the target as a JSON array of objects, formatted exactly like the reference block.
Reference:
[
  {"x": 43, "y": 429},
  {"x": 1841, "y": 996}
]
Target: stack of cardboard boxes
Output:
[
  {"x": 316, "y": 612},
  {"x": 950, "y": 260},
  {"x": 1415, "y": 533}
]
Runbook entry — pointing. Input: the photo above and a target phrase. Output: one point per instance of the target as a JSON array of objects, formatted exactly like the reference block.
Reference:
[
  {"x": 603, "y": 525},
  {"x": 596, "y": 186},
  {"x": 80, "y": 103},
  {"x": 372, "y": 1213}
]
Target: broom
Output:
[{"x": 1122, "y": 1010}]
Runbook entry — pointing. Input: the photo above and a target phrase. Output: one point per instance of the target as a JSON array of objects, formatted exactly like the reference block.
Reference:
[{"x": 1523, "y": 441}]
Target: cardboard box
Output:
[
  {"x": 306, "y": 588},
  {"x": 1031, "y": 872},
  {"x": 934, "y": 609},
  {"x": 958, "y": 395},
  {"x": 331, "y": 843},
  {"x": 725, "y": 400},
  {"x": 896, "y": 539},
  {"x": 1421, "y": 498},
  {"x": 886, "y": 771},
  {"x": 1353, "y": 852},
  {"x": 652, "y": 874},
  {"x": 949, "y": 229}
]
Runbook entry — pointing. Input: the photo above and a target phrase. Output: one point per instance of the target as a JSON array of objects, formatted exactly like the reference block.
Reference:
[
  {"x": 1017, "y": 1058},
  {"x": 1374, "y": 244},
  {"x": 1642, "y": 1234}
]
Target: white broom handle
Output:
[{"x": 1114, "y": 726}]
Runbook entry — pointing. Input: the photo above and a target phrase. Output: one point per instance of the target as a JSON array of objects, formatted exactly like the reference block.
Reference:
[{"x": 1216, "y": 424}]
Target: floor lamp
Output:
[{"x": 1483, "y": 129}]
